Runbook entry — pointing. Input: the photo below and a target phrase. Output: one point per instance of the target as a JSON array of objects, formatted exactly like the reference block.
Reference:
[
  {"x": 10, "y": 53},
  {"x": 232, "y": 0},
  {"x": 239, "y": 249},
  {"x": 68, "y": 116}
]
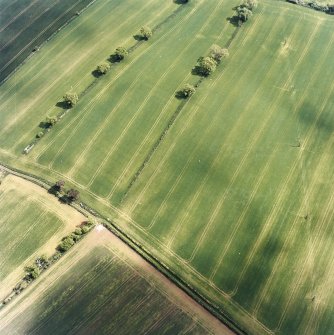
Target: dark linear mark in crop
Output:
[{"x": 168, "y": 126}]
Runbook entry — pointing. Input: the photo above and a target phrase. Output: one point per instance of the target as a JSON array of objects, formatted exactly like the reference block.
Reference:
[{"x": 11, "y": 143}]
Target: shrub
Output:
[
  {"x": 32, "y": 272},
  {"x": 103, "y": 68},
  {"x": 206, "y": 65},
  {"x": 187, "y": 91},
  {"x": 145, "y": 33},
  {"x": 77, "y": 231},
  {"x": 66, "y": 243},
  {"x": 120, "y": 53},
  {"x": 71, "y": 99},
  {"x": 217, "y": 53}
]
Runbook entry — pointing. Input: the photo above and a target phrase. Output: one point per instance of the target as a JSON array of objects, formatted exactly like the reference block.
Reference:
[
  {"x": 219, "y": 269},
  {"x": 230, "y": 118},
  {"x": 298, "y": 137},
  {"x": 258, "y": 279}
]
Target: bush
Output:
[
  {"x": 103, "y": 68},
  {"x": 32, "y": 272},
  {"x": 51, "y": 121},
  {"x": 187, "y": 91},
  {"x": 77, "y": 231},
  {"x": 85, "y": 229},
  {"x": 145, "y": 33},
  {"x": 120, "y": 53},
  {"x": 206, "y": 65},
  {"x": 66, "y": 243},
  {"x": 71, "y": 99},
  {"x": 217, "y": 53}
]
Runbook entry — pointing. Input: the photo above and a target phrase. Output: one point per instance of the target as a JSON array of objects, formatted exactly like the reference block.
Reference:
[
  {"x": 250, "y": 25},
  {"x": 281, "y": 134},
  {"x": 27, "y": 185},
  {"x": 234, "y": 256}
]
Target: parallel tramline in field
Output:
[{"x": 232, "y": 188}]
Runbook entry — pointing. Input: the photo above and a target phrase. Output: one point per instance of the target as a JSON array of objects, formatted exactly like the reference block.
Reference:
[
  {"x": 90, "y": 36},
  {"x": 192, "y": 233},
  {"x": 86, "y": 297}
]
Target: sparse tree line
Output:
[
  {"x": 320, "y": 6},
  {"x": 204, "y": 67},
  {"x": 70, "y": 99},
  {"x": 65, "y": 196},
  {"x": 42, "y": 263}
]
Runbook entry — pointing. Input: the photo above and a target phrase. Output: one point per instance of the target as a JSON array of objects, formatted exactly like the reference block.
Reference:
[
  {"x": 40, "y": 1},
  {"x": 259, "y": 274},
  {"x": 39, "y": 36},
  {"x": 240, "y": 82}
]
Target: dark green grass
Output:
[{"x": 101, "y": 294}]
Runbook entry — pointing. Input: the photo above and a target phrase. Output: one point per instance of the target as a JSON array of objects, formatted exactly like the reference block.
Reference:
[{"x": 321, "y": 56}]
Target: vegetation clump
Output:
[
  {"x": 103, "y": 68},
  {"x": 205, "y": 66},
  {"x": 186, "y": 92},
  {"x": 71, "y": 99},
  {"x": 145, "y": 33},
  {"x": 120, "y": 54},
  {"x": 218, "y": 53}
]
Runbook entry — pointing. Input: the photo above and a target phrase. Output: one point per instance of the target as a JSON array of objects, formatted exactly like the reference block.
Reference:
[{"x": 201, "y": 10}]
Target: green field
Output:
[
  {"x": 100, "y": 293},
  {"x": 237, "y": 198},
  {"x": 25, "y": 25}
]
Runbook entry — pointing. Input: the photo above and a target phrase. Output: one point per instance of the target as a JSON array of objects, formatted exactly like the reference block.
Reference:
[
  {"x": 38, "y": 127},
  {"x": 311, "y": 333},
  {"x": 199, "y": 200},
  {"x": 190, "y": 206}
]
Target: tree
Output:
[
  {"x": 120, "y": 53},
  {"x": 250, "y": 4},
  {"x": 244, "y": 13},
  {"x": 66, "y": 243},
  {"x": 145, "y": 33},
  {"x": 217, "y": 53},
  {"x": 103, "y": 68},
  {"x": 51, "y": 121},
  {"x": 187, "y": 91},
  {"x": 59, "y": 185},
  {"x": 71, "y": 99},
  {"x": 32, "y": 272},
  {"x": 206, "y": 65},
  {"x": 72, "y": 195}
]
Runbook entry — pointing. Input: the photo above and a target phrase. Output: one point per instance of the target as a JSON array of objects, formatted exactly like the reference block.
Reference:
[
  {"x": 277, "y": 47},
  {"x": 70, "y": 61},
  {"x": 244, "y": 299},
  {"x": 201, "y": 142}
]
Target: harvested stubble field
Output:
[
  {"x": 26, "y": 24},
  {"x": 101, "y": 288},
  {"x": 32, "y": 223},
  {"x": 238, "y": 196}
]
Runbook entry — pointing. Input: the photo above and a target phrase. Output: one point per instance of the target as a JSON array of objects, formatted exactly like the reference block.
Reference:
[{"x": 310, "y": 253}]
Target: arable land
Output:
[
  {"x": 103, "y": 287},
  {"x": 232, "y": 189}
]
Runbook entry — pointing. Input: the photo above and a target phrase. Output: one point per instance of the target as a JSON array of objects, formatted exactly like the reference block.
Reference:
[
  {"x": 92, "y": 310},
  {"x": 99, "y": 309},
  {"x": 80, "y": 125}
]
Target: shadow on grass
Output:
[
  {"x": 138, "y": 37},
  {"x": 96, "y": 74},
  {"x": 234, "y": 20},
  {"x": 63, "y": 105}
]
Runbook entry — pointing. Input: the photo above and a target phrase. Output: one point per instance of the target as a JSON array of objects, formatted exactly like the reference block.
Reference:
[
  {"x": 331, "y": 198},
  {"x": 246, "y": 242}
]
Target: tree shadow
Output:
[
  {"x": 114, "y": 59},
  {"x": 138, "y": 37},
  {"x": 180, "y": 95},
  {"x": 181, "y": 2},
  {"x": 234, "y": 20},
  {"x": 96, "y": 74},
  {"x": 197, "y": 71},
  {"x": 63, "y": 105},
  {"x": 44, "y": 125},
  {"x": 54, "y": 189}
]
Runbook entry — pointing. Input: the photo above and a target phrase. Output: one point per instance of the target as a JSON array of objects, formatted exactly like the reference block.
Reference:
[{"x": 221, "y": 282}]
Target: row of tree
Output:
[
  {"x": 204, "y": 67},
  {"x": 245, "y": 10}
]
